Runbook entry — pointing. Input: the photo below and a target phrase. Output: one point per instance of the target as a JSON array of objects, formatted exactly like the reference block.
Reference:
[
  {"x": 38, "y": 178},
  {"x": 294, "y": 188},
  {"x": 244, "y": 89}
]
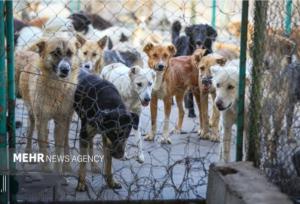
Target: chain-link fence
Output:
[{"x": 55, "y": 39}]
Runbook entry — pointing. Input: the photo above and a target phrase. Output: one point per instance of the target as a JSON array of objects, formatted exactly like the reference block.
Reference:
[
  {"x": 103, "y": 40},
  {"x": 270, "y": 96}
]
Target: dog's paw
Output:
[
  {"x": 81, "y": 186},
  {"x": 149, "y": 137},
  {"x": 112, "y": 183},
  {"x": 140, "y": 158},
  {"x": 203, "y": 134},
  {"x": 176, "y": 131},
  {"x": 165, "y": 140},
  {"x": 214, "y": 136},
  {"x": 95, "y": 167}
]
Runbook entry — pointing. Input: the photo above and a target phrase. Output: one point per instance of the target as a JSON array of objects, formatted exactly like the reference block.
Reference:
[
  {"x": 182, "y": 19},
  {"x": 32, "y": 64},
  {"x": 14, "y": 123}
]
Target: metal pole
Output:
[
  {"x": 193, "y": 12},
  {"x": 288, "y": 18},
  {"x": 243, "y": 51},
  {"x": 213, "y": 15},
  {"x": 3, "y": 136},
  {"x": 9, "y": 23}
]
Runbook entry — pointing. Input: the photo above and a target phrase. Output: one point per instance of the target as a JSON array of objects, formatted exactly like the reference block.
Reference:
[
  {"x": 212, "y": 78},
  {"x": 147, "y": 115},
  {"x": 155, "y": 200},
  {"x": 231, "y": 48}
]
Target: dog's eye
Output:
[
  {"x": 94, "y": 54},
  {"x": 165, "y": 55},
  {"x": 139, "y": 84},
  {"x": 155, "y": 55},
  {"x": 85, "y": 53},
  {"x": 218, "y": 85},
  {"x": 230, "y": 87},
  {"x": 149, "y": 84},
  {"x": 202, "y": 68},
  {"x": 69, "y": 53}
]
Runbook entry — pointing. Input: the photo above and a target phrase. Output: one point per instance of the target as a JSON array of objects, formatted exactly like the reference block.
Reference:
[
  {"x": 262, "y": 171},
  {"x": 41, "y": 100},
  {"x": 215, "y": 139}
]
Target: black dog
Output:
[
  {"x": 196, "y": 36},
  {"x": 81, "y": 22},
  {"x": 102, "y": 111}
]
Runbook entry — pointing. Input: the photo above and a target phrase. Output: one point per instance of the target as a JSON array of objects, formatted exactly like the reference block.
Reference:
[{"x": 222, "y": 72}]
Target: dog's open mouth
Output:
[
  {"x": 145, "y": 103},
  {"x": 224, "y": 108}
]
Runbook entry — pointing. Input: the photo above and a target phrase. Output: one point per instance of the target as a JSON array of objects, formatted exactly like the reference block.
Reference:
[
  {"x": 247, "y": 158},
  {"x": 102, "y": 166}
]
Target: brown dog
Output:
[
  {"x": 206, "y": 88},
  {"x": 91, "y": 55},
  {"x": 47, "y": 85},
  {"x": 174, "y": 77}
]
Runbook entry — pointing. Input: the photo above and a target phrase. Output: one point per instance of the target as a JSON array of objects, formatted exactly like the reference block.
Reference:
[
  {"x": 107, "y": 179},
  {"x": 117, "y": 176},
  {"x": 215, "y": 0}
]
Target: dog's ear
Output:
[
  {"x": 38, "y": 47},
  {"x": 211, "y": 32},
  {"x": 188, "y": 30},
  {"x": 80, "y": 40},
  {"x": 102, "y": 42},
  {"x": 148, "y": 47},
  {"x": 134, "y": 70},
  {"x": 172, "y": 49}
]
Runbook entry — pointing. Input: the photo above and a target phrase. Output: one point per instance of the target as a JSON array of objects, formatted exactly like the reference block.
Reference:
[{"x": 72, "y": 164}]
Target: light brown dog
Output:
[
  {"x": 174, "y": 76},
  {"x": 206, "y": 88},
  {"x": 91, "y": 55},
  {"x": 47, "y": 85}
]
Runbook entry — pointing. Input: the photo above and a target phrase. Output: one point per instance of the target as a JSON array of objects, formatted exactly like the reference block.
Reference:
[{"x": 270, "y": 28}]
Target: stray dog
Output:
[
  {"x": 226, "y": 82},
  {"x": 47, "y": 87},
  {"x": 123, "y": 53},
  {"x": 92, "y": 54},
  {"x": 196, "y": 36},
  {"x": 135, "y": 86},
  {"x": 174, "y": 77},
  {"x": 206, "y": 88},
  {"x": 102, "y": 111}
]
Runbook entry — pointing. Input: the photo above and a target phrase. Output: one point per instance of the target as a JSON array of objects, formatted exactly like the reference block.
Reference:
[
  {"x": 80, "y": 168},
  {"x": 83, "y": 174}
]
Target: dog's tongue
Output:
[{"x": 144, "y": 103}]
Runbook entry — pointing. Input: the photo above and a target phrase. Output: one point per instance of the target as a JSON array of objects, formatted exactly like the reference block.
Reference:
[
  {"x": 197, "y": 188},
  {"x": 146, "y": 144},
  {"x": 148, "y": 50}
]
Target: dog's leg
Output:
[
  {"x": 61, "y": 135},
  {"x": 198, "y": 100},
  {"x": 289, "y": 121},
  {"x": 108, "y": 165},
  {"x": 167, "y": 107},
  {"x": 179, "y": 101},
  {"x": 83, "y": 145},
  {"x": 214, "y": 121},
  {"x": 42, "y": 132},
  {"x": 31, "y": 125},
  {"x": 138, "y": 138},
  {"x": 153, "y": 109},
  {"x": 204, "y": 134},
  {"x": 94, "y": 165},
  {"x": 226, "y": 143}
]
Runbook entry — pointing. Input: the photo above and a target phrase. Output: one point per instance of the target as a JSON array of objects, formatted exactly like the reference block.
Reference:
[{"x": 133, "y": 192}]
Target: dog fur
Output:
[
  {"x": 47, "y": 86},
  {"x": 226, "y": 82},
  {"x": 91, "y": 55},
  {"x": 174, "y": 77},
  {"x": 206, "y": 88},
  {"x": 102, "y": 111},
  {"x": 135, "y": 86}
]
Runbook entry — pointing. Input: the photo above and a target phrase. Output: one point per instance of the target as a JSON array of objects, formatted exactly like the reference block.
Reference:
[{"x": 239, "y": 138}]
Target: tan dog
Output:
[
  {"x": 91, "y": 55},
  {"x": 206, "y": 88},
  {"x": 47, "y": 86},
  {"x": 174, "y": 76}
]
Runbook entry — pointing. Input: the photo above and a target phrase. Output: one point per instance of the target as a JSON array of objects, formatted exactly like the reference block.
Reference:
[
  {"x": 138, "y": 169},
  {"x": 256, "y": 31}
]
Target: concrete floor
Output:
[{"x": 176, "y": 171}]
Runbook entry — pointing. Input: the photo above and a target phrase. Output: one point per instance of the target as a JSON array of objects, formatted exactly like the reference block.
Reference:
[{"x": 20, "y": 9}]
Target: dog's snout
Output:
[
  {"x": 219, "y": 103},
  {"x": 147, "y": 99},
  {"x": 64, "y": 68},
  {"x": 199, "y": 43},
  {"x": 87, "y": 66},
  {"x": 161, "y": 67},
  {"x": 207, "y": 81}
]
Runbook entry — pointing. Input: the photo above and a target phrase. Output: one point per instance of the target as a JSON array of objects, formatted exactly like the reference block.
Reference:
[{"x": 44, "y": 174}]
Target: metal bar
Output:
[
  {"x": 193, "y": 12},
  {"x": 9, "y": 23},
  {"x": 213, "y": 15},
  {"x": 3, "y": 135},
  {"x": 288, "y": 17},
  {"x": 243, "y": 51}
]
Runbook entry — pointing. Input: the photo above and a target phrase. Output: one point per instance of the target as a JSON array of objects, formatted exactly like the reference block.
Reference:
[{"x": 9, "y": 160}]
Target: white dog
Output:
[
  {"x": 135, "y": 86},
  {"x": 226, "y": 81}
]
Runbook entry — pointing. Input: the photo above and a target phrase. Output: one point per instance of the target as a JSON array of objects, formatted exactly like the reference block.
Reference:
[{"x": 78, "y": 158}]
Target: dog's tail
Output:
[{"x": 176, "y": 27}]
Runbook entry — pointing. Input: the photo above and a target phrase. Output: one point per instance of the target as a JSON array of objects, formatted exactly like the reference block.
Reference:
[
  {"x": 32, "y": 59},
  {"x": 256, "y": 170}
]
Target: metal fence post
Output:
[
  {"x": 4, "y": 192},
  {"x": 288, "y": 17},
  {"x": 9, "y": 23},
  {"x": 213, "y": 15},
  {"x": 240, "y": 117}
]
